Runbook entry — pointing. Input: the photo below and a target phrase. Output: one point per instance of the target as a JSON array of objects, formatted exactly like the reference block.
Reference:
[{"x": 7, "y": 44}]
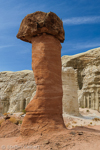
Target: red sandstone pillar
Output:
[{"x": 44, "y": 112}]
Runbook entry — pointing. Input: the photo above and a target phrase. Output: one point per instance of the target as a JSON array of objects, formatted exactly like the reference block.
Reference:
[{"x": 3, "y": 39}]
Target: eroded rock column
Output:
[
  {"x": 70, "y": 92},
  {"x": 44, "y": 112}
]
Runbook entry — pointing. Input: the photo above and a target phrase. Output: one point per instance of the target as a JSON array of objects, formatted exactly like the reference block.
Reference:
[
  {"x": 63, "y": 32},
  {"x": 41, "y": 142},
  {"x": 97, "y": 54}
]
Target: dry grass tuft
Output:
[
  {"x": 74, "y": 122},
  {"x": 96, "y": 119},
  {"x": 67, "y": 125},
  {"x": 89, "y": 125},
  {"x": 5, "y": 114},
  {"x": 13, "y": 120}
]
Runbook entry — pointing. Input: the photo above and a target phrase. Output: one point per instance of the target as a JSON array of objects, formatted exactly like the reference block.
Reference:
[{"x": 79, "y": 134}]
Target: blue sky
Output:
[{"x": 81, "y": 20}]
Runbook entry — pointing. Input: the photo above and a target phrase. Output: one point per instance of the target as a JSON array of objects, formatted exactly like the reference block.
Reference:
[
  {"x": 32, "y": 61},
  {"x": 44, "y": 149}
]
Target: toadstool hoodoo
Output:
[{"x": 45, "y": 32}]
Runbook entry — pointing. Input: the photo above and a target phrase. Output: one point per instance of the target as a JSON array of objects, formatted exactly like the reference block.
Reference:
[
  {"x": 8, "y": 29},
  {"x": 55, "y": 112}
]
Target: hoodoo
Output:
[{"x": 45, "y": 32}]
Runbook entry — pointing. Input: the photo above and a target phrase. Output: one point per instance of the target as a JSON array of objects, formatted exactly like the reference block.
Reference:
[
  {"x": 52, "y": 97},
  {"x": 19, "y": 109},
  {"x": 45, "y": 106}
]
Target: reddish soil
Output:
[
  {"x": 9, "y": 129},
  {"x": 78, "y": 138}
]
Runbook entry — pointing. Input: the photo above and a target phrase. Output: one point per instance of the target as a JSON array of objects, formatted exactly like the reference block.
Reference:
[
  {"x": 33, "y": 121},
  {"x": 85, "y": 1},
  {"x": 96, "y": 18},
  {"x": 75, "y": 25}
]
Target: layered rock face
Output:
[
  {"x": 44, "y": 112},
  {"x": 90, "y": 95},
  {"x": 70, "y": 92},
  {"x": 16, "y": 89},
  {"x": 88, "y": 75},
  {"x": 1, "y": 107}
]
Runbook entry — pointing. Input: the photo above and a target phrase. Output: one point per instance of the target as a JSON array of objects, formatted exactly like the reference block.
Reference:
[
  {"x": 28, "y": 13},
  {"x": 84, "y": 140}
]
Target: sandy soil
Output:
[
  {"x": 88, "y": 117},
  {"x": 80, "y": 134}
]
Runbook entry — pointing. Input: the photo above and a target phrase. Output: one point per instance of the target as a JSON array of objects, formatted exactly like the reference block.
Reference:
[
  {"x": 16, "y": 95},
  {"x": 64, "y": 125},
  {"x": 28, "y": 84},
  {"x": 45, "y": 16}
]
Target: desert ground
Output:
[{"x": 81, "y": 133}]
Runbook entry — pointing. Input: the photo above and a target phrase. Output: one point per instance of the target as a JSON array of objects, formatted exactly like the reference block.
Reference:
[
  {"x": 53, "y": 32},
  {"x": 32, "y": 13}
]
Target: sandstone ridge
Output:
[
  {"x": 88, "y": 75},
  {"x": 16, "y": 89}
]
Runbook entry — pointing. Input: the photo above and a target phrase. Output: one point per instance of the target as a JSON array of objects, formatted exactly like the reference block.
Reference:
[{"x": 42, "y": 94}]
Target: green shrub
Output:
[
  {"x": 87, "y": 110},
  {"x": 19, "y": 121},
  {"x": 24, "y": 111}
]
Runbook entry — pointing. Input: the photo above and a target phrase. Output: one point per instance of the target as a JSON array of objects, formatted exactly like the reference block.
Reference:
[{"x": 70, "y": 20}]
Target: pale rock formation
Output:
[
  {"x": 88, "y": 75},
  {"x": 90, "y": 96},
  {"x": 70, "y": 91},
  {"x": 45, "y": 32},
  {"x": 1, "y": 107},
  {"x": 34, "y": 93},
  {"x": 14, "y": 100},
  {"x": 16, "y": 89}
]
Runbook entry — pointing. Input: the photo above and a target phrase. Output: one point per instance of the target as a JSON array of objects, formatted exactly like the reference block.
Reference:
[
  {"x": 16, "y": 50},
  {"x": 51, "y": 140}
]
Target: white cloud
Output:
[
  {"x": 5, "y": 46},
  {"x": 82, "y": 20},
  {"x": 77, "y": 47},
  {"x": 86, "y": 45}
]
